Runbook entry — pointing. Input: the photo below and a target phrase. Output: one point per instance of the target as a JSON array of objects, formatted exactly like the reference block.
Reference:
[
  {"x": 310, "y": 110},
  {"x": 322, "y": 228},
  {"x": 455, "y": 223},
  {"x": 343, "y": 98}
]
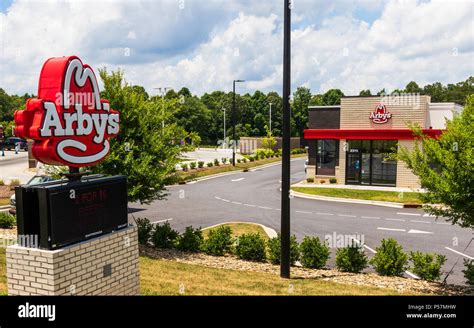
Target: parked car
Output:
[
  {"x": 10, "y": 143},
  {"x": 37, "y": 179}
]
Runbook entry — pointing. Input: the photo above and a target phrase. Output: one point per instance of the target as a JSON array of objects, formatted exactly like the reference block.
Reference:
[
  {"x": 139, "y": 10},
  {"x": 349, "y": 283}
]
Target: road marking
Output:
[
  {"x": 452, "y": 250},
  {"x": 170, "y": 219},
  {"x": 390, "y": 229},
  {"x": 249, "y": 205},
  {"x": 321, "y": 213},
  {"x": 347, "y": 215},
  {"x": 370, "y": 217},
  {"x": 277, "y": 209},
  {"x": 390, "y": 219},
  {"x": 225, "y": 200},
  {"x": 265, "y": 207},
  {"x": 429, "y": 215},
  {"x": 216, "y": 197},
  {"x": 403, "y": 213},
  {"x": 412, "y": 274},
  {"x": 235, "y": 180},
  {"x": 418, "y": 221},
  {"x": 418, "y": 231},
  {"x": 442, "y": 223},
  {"x": 237, "y": 203},
  {"x": 304, "y": 212},
  {"x": 358, "y": 241}
]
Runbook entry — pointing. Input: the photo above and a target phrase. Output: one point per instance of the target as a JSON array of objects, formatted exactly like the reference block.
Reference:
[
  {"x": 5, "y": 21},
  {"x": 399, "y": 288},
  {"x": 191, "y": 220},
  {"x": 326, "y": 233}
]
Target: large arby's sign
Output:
[{"x": 69, "y": 123}]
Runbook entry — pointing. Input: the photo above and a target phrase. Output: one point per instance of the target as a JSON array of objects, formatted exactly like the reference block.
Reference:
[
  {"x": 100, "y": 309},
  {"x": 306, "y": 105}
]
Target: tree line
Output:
[{"x": 204, "y": 115}]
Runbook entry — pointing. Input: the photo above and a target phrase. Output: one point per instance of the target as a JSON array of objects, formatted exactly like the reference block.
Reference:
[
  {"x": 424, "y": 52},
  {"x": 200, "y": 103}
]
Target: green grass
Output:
[
  {"x": 205, "y": 171},
  {"x": 161, "y": 277},
  {"x": 239, "y": 229},
  {"x": 386, "y": 196}
]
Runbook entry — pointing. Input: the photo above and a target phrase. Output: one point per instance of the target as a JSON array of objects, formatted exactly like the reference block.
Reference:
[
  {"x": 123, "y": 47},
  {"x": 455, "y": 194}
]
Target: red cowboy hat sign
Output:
[
  {"x": 68, "y": 122},
  {"x": 380, "y": 114}
]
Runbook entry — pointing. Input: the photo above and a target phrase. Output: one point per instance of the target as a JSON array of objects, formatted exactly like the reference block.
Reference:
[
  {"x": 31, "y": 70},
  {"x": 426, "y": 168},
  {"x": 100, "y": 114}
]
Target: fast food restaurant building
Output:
[{"x": 350, "y": 142}]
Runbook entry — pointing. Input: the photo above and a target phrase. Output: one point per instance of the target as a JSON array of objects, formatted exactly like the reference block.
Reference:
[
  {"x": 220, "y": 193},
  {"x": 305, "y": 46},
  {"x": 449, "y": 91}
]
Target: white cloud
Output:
[{"x": 206, "y": 45}]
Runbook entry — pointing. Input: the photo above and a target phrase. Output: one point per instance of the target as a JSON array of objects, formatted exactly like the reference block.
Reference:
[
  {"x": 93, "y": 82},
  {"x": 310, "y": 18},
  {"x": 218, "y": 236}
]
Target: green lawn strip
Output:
[
  {"x": 239, "y": 229},
  {"x": 386, "y": 196},
  {"x": 205, "y": 171},
  {"x": 162, "y": 277}
]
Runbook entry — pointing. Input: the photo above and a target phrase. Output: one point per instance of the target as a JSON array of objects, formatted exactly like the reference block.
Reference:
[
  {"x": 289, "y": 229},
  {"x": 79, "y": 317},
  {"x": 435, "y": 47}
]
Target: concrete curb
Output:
[
  {"x": 271, "y": 233},
  {"x": 4, "y": 207},
  {"x": 354, "y": 201}
]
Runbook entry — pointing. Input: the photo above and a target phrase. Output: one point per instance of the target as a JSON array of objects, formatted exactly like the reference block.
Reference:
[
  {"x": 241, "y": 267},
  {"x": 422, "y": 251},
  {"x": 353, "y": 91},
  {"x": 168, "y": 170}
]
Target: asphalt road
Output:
[{"x": 254, "y": 196}]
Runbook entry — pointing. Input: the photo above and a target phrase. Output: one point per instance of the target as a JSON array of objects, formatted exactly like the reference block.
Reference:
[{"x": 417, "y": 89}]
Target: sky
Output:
[{"x": 206, "y": 44}]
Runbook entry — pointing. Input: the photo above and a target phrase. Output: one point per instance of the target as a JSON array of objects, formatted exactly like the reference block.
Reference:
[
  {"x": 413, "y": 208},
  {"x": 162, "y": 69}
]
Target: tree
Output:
[
  {"x": 412, "y": 87},
  {"x": 299, "y": 109},
  {"x": 445, "y": 167},
  {"x": 143, "y": 151},
  {"x": 365, "y": 93},
  {"x": 332, "y": 97}
]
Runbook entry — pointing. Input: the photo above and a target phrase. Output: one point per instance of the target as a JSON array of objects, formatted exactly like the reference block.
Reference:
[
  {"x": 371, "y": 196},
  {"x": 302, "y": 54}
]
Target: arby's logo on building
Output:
[
  {"x": 68, "y": 122},
  {"x": 380, "y": 115}
]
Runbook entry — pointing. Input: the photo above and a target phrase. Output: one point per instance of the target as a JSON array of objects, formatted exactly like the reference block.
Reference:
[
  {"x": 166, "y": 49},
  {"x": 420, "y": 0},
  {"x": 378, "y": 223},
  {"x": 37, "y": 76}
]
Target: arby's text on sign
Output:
[{"x": 69, "y": 123}]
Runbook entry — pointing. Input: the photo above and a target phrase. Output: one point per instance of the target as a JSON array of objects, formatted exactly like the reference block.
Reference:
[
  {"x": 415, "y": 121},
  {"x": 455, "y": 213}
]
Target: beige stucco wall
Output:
[{"x": 405, "y": 177}]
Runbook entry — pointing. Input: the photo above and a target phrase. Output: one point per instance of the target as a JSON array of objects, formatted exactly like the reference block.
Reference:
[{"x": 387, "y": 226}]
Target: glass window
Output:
[{"x": 326, "y": 157}]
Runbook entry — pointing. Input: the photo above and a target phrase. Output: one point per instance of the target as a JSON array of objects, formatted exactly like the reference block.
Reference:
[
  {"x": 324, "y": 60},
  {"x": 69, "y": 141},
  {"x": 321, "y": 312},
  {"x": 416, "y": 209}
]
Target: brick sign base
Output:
[{"x": 106, "y": 265}]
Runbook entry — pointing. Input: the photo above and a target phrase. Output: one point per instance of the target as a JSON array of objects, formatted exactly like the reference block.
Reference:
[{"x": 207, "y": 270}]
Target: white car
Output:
[{"x": 34, "y": 180}]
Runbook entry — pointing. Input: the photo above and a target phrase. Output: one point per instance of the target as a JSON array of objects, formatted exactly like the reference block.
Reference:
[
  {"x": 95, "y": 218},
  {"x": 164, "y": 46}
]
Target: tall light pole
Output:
[
  {"x": 225, "y": 141},
  {"x": 270, "y": 118},
  {"x": 233, "y": 120},
  {"x": 286, "y": 129},
  {"x": 162, "y": 91}
]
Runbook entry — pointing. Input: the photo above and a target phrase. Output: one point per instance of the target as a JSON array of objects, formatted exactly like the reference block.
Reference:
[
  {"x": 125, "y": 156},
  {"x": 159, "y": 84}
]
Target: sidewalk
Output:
[{"x": 305, "y": 184}]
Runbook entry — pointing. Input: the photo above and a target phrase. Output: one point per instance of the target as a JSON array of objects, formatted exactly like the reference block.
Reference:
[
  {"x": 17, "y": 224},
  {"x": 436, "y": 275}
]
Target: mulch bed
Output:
[
  {"x": 6, "y": 191},
  {"x": 400, "y": 284}
]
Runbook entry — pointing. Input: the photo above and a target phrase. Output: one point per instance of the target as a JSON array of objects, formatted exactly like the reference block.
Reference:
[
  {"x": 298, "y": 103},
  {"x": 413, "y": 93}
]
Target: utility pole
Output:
[
  {"x": 162, "y": 91},
  {"x": 286, "y": 129}
]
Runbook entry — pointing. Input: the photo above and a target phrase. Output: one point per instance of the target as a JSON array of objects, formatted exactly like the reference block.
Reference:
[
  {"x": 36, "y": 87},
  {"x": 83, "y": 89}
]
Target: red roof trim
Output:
[{"x": 368, "y": 134}]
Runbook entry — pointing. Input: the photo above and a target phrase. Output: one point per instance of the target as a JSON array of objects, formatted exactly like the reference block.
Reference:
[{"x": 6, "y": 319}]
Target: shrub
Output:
[
  {"x": 7, "y": 221},
  {"x": 333, "y": 180},
  {"x": 427, "y": 266},
  {"x": 219, "y": 241},
  {"x": 239, "y": 160},
  {"x": 184, "y": 166},
  {"x": 190, "y": 240},
  {"x": 298, "y": 151},
  {"x": 145, "y": 228},
  {"x": 192, "y": 165},
  {"x": 164, "y": 236},
  {"x": 216, "y": 162},
  {"x": 244, "y": 160},
  {"x": 278, "y": 152},
  {"x": 15, "y": 182},
  {"x": 200, "y": 164},
  {"x": 314, "y": 253},
  {"x": 210, "y": 164},
  {"x": 251, "y": 158},
  {"x": 2, "y": 183},
  {"x": 263, "y": 153},
  {"x": 250, "y": 247},
  {"x": 310, "y": 180},
  {"x": 274, "y": 249},
  {"x": 469, "y": 271},
  {"x": 390, "y": 259},
  {"x": 351, "y": 258},
  {"x": 322, "y": 181},
  {"x": 224, "y": 160}
]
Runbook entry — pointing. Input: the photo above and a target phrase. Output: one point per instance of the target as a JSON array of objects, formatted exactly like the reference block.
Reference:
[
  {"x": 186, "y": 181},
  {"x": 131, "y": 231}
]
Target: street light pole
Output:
[
  {"x": 225, "y": 141},
  {"x": 286, "y": 129},
  {"x": 233, "y": 120},
  {"x": 271, "y": 118},
  {"x": 163, "y": 92}
]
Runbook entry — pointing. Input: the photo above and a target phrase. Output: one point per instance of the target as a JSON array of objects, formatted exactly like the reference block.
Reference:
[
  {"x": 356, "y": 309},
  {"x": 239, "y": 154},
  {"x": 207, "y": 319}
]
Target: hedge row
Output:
[{"x": 389, "y": 259}]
